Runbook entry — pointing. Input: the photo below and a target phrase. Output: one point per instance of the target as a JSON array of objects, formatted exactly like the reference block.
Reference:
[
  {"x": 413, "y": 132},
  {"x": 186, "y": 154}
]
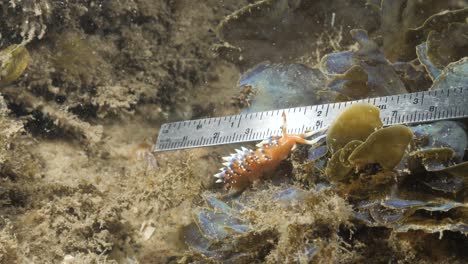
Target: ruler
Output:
[{"x": 408, "y": 108}]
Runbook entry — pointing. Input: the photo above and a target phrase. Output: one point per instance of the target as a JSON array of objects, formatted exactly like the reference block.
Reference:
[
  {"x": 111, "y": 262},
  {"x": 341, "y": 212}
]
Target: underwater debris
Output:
[
  {"x": 247, "y": 165},
  {"x": 13, "y": 61}
]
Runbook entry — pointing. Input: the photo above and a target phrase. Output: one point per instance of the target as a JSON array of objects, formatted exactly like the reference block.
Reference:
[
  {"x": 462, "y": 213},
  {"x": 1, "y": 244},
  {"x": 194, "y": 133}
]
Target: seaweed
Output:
[
  {"x": 356, "y": 123},
  {"x": 405, "y": 23},
  {"x": 92, "y": 80},
  {"x": 13, "y": 61}
]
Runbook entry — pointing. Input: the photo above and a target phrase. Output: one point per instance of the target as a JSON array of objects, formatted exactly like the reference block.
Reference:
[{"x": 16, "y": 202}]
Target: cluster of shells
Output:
[{"x": 403, "y": 178}]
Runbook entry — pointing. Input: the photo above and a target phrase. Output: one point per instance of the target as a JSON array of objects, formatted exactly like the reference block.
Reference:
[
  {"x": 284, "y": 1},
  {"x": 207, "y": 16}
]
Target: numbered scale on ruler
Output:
[{"x": 396, "y": 109}]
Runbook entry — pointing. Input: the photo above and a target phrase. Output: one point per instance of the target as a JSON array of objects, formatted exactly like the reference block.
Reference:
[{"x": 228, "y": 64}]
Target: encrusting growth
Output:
[{"x": 247, "y": 165}]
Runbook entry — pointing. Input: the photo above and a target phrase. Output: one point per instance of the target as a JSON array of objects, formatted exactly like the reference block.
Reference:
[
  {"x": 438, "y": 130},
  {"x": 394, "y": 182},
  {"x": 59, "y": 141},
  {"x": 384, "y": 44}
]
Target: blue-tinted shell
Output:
[
  {"x": 309, "y": 252},
  {"x": 441, "y": 207},
  {"x": 398, "y": 214},
  {"x": 290, "y": 196},
  {"x": 438, "y": 135},
  {"x": 218, "y": 205},
  {"x": 282, "y": 86},
  {"x": 455, "y": 75},
  {"x": 217, "y": 223},
  {"x": 218, "y": 229},
  {"x": 217, "y": 226},
  {"x": 318, "y": 153},
  {"x": 401, "y": 204},
  {"x": 444, "y": 182},
  {"x": 432, "y": 70},
  {"x": 337, "y": 63},
  {"x": 381, "y": 77},
  {"x": 315, "y": 153}
]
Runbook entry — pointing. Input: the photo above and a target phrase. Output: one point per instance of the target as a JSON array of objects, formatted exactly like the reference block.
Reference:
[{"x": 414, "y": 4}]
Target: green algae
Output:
[
  {"x": 337, "y": 170},
  {"x": 347, "y": 150},
  {"x": 356, "y": 122},
  {"x": 385, "y": 147},
  {"x": 13, "y": 61}
]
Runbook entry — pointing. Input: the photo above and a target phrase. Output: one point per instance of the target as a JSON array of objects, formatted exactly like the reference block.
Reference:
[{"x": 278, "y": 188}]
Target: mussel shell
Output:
[
  {"x": 218, "y": 226},
  {"x": 279, "y": 86},
  {"x": 432, "y": 70},
  {"x": 439, "y": 136}
]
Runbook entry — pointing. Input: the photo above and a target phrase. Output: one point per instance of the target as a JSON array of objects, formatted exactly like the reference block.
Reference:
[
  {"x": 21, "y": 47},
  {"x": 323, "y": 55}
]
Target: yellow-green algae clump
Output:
[
  {"x": 357, "y": 122},
  {"x": 357, "y": 139},
  {"x": 385, "y": 147},
  {"x": 13, "y": 61}
]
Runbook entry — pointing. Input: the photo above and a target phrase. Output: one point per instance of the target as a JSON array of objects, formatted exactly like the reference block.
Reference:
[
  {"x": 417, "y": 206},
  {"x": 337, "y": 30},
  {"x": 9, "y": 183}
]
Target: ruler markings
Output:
[
  {"x": 240, "y": 118},
  {"x": 396, "y": 109}
]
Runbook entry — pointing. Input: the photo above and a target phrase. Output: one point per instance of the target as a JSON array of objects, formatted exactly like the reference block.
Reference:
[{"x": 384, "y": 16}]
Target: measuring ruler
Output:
[{"x": 395, "y": 109}]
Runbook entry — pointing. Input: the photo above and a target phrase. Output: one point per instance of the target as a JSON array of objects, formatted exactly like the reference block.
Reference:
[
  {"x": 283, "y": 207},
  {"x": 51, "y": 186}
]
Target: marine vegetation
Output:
[
  {"x": 400, "y": 188},
  {"x": 13, "y": 61},
  {"x": 85, "y": 86},
  {"x": 369, "y": 166}
]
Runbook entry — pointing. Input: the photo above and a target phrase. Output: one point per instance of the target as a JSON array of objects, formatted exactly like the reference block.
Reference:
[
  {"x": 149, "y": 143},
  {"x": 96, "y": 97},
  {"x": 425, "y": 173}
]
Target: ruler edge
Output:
[{"x": 155, "y": 146}]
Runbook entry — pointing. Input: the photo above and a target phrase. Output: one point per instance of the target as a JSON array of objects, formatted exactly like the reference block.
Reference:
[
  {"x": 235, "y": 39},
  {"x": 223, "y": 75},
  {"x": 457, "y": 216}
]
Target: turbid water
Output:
[{"x": 85, "y": 87}]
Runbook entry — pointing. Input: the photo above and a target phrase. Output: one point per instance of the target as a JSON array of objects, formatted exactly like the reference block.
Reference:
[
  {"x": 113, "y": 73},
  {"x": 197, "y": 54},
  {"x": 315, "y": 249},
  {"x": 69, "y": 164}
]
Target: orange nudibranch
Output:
[{"x": 247, "y": 165}]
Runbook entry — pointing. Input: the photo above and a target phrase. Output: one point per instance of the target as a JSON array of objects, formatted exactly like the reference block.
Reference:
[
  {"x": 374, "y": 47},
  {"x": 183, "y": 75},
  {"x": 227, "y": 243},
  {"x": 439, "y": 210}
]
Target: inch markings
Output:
[{"x": 395, "y": 109}]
